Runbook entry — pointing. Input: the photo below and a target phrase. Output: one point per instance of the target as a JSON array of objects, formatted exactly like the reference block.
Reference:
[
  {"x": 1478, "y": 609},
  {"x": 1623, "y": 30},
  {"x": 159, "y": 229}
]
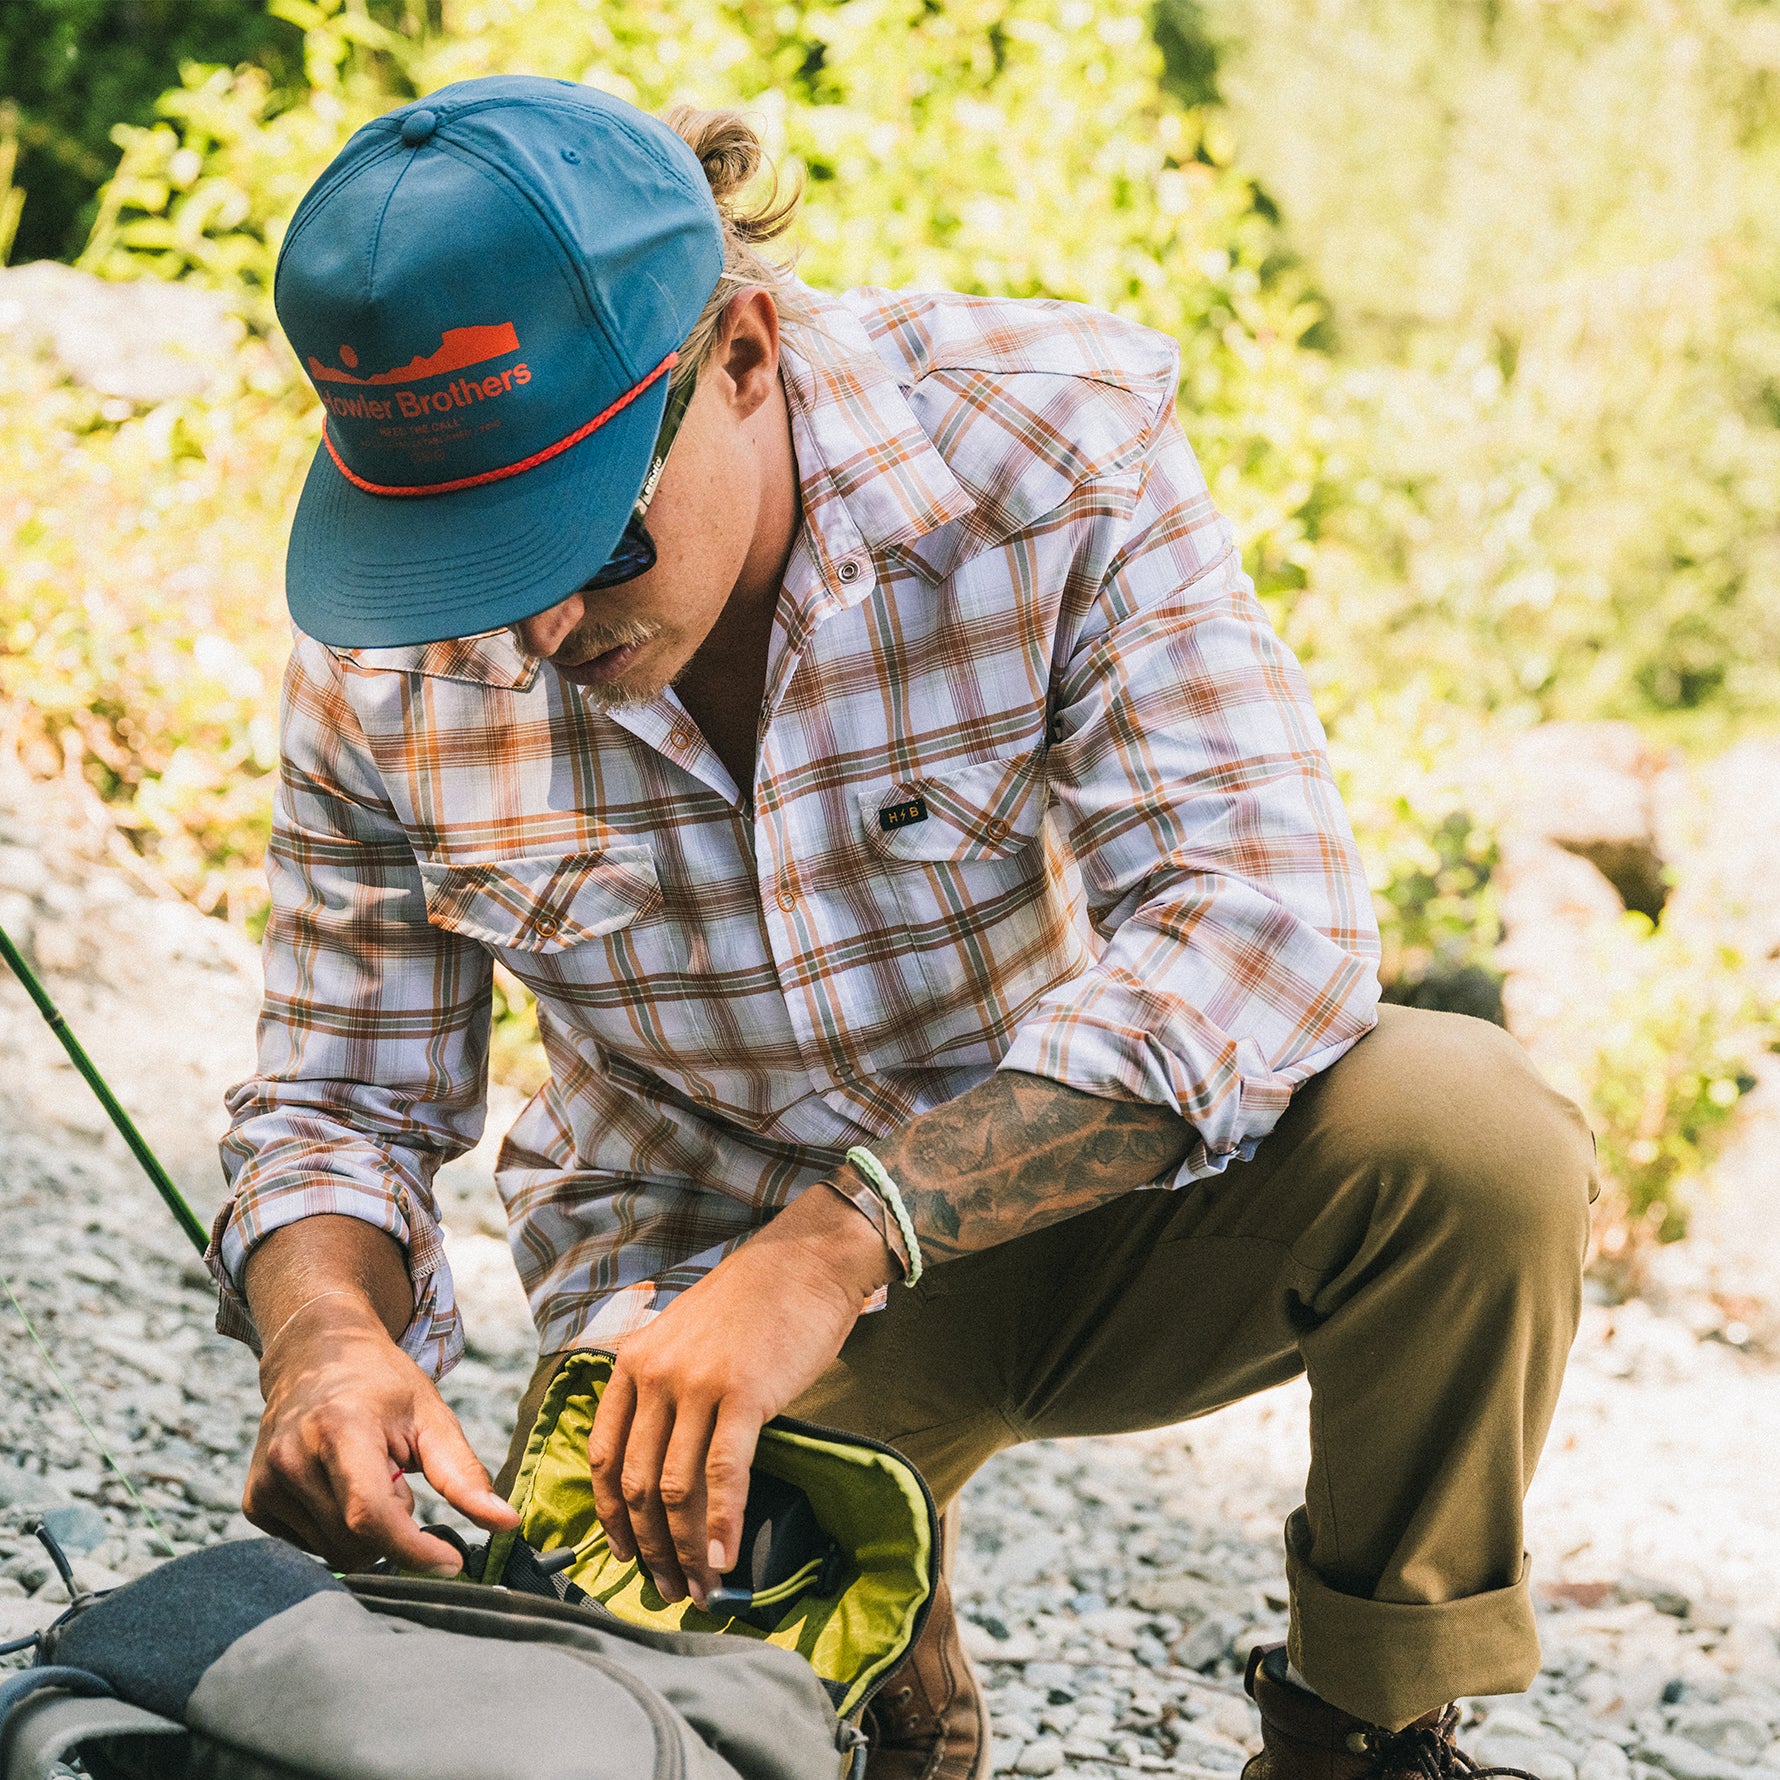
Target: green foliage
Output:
[
  {"x": 141, "y": 629},
  {"x": 1548, "y": 241},
  {"x": 75, "y": 68},
  {"x": 1670, "y": 1041},
  {"x": 1438, "y": 920}
]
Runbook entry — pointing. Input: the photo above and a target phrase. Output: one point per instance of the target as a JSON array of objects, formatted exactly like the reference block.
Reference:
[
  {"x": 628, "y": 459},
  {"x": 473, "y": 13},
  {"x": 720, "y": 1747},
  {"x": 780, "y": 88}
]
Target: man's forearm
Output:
[
  {"x": 340, "y": 1258},
  {"x": 1019, "y": 1152}
]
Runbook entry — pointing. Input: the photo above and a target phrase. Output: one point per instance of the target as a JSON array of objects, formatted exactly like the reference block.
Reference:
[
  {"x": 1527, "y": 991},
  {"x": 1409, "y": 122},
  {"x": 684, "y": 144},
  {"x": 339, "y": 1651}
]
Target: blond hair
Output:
[{"x": 733, "y": 157}]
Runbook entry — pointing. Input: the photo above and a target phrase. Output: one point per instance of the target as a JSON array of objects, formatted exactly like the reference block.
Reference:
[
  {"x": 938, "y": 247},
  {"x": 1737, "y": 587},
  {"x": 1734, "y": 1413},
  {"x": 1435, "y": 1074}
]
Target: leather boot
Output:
[
  {"x": 1303, "y": 1737},
  {"x": 929, "y": 1720}
]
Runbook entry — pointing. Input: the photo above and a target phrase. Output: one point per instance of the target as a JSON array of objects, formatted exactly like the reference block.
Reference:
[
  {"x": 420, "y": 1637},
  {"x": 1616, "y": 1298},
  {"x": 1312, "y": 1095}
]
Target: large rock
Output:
[
  {"x": 1589, "y": 790},
  {"x": 1721, "y": 821},
  {"x": 1577, "y": 820},
  {"x": 145, "y": 342},
  {"x": 163, "y": 999}
]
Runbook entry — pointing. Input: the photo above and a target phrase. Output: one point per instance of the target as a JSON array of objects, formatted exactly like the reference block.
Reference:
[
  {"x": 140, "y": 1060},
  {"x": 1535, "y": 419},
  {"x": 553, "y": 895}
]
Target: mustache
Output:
[{"x": 586, "y": 641}]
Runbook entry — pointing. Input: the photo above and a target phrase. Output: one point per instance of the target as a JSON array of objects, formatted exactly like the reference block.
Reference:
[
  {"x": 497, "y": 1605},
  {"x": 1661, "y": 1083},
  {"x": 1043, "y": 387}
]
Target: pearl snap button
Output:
[
  {"x": 849, "y": 570},
  {"x": 417, "y": 126},
  {"x": 546, "y": 926},
  {"x": 787, "y": 897}
]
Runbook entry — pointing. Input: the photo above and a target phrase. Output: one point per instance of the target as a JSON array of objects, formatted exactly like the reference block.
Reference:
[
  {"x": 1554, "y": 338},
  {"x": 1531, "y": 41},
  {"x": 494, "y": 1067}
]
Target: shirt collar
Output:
[{"x": 870, "y": 478}]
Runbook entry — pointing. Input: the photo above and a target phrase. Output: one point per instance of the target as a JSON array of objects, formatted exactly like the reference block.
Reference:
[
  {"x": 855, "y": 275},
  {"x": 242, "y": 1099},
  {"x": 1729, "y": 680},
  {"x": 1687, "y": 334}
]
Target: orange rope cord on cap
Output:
[{"x": 527, "y": 463}]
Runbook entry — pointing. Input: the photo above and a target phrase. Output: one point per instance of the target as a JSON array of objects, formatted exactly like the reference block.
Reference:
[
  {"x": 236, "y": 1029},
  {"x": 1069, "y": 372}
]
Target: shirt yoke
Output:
[{"x": 1026, "y": 399}]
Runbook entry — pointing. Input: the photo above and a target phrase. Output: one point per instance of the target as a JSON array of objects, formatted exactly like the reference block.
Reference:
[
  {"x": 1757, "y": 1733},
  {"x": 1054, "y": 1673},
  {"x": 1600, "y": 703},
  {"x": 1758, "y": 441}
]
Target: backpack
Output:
[{"x": 546, "y": 1660}]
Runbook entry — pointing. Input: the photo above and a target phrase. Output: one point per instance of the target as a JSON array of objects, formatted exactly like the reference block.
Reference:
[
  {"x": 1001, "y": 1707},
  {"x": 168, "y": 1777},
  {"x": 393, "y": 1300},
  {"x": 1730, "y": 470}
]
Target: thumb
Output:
[{"x": 456, "y": 1473}]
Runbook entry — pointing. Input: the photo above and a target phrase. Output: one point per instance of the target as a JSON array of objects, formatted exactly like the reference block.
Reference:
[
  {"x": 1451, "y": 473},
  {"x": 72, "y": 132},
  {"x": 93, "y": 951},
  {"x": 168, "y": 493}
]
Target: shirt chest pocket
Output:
[
  {"x": 986, "y": 814},
  {"x": 560, "y": 916},
  {"x": 960, "y": 863}
]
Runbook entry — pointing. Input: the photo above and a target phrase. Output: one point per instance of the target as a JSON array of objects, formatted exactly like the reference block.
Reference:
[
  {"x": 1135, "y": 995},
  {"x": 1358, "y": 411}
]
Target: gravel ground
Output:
[{"x": 1110, "y": 1587}]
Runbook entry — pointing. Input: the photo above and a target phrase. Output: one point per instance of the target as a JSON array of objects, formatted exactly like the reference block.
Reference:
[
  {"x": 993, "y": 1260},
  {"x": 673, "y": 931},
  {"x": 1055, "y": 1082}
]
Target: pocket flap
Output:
[
  {"x": 546, "y": 904},
  {"x": 992, "y": 810}
]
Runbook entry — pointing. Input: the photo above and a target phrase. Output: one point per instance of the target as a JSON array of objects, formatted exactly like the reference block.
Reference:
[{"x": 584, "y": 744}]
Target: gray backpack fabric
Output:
[
  {"x": 549, "y": 1659},
  {"x": 249, "y": 1661}
]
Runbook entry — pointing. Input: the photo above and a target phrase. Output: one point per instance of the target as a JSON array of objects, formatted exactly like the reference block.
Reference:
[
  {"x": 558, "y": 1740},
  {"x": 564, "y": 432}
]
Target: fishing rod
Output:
[{"x": 164, "y": 1184}]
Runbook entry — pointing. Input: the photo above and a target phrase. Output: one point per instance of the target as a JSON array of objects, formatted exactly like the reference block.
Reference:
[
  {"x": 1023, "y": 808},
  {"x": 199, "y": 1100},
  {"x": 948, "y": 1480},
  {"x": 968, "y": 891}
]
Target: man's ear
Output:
[{"x": 746, "y": 351}]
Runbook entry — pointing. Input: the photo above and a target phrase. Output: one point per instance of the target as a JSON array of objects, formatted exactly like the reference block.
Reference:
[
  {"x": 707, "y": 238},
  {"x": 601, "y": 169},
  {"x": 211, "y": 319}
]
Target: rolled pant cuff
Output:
[{"x": 1389, "y": 1662}]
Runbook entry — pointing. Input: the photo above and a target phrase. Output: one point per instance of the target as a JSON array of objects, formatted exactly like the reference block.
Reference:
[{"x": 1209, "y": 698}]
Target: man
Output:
[{"x": 851, "y": 719}]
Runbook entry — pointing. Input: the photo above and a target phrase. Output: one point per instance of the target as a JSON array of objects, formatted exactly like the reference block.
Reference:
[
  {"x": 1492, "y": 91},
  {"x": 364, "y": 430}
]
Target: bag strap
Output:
[
  {"x": 50, "y": 1726},
  {"x": 16, "y": 1689}
]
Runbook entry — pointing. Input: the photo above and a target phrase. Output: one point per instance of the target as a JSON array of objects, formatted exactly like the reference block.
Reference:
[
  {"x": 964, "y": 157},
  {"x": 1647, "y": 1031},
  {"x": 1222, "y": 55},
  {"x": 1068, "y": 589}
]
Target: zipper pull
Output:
[{"x": 851, "y": 1737}]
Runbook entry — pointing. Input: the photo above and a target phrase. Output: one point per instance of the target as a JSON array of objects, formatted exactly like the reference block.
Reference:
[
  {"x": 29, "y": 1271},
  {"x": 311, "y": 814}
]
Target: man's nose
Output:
[{"x": 543, "y": 632}]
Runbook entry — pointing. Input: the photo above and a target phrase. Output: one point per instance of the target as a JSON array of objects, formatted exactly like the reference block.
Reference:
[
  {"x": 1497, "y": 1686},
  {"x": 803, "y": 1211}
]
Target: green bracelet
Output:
[{"x": 877, "y": 1176}]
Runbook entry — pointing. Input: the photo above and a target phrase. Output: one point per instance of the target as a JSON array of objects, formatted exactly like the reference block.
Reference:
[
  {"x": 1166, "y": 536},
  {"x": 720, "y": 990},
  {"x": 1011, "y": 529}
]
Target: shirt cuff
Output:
[
  {"x": 433, "y": 1338},
  {"x": 1110, "y": 1040}
]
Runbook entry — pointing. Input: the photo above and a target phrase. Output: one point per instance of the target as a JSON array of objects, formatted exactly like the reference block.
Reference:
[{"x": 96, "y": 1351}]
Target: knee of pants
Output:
[{"x": 1476, "y": 1149}]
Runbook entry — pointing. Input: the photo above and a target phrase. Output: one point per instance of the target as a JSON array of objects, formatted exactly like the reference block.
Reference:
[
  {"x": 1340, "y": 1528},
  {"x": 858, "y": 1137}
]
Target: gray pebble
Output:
[
  {"x": 1738, "y": 1734},
  {"x": 1045, "y": 1756},
  {"x": 1208, "y": 1642},
  {"x": 1604, "y": 1761},
  {"x": 30, "y": 1569},
  {"x": 1206, "y": 1749},
  {"x": 1499, "y": 1751},
  {"x": 1686, "y": 1760},
  {"x": 26, "y": 1489},
  {"x": 77, "y": 1527}
]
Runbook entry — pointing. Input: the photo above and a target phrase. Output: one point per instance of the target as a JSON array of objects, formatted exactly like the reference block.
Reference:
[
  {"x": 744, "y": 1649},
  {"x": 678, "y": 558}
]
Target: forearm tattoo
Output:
[{"x": 1019, "y": 1152}]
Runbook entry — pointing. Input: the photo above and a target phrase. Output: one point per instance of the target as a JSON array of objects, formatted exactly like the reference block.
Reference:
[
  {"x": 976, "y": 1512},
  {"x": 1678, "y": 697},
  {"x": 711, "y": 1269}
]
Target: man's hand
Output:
[
  {"x": 347, "y": 1412},
  {"x": 677, "y": 1424}
]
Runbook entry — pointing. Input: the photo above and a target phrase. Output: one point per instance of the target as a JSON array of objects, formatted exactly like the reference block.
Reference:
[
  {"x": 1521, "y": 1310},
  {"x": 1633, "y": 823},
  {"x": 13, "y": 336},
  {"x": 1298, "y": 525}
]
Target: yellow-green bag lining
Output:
[{"x": 867, "y": 1498}]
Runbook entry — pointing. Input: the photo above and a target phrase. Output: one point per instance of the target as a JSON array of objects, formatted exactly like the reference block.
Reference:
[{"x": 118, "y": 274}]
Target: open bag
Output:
[{"x": 547, "y": 1660}]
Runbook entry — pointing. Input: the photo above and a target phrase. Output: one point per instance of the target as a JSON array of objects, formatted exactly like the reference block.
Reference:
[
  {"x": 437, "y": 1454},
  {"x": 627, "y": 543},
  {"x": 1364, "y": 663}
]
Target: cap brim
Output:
[{"x": 367, "y": 571}]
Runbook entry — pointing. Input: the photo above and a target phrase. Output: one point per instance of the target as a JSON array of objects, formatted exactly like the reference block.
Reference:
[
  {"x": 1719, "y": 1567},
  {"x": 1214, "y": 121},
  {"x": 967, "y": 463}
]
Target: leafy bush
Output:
[
  {"x": 1548, "y": 243},
  {"x": 141, "y": 620},
  {"x": 74, "y": 68},
  {"x": 1661, "y": 1057}
]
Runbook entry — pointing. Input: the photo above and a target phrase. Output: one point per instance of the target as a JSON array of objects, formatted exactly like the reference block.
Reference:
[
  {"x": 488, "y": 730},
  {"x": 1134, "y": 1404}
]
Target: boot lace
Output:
[{"x": 1430, "y": 1752}]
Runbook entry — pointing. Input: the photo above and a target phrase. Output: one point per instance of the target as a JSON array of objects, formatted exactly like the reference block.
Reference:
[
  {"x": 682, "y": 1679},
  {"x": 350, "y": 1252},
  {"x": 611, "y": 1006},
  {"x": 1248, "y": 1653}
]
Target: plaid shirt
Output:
[{"x": 1037, "y": 788}]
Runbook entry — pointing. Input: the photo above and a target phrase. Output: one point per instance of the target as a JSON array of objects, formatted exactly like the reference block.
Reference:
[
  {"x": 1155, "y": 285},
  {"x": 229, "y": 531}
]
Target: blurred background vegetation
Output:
[{"x": 1479, "y": 303}]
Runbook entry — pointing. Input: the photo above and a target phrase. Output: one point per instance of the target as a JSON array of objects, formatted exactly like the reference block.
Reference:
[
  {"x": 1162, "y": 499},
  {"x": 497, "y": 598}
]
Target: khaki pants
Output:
[{"x": 1411, "y": 1236}]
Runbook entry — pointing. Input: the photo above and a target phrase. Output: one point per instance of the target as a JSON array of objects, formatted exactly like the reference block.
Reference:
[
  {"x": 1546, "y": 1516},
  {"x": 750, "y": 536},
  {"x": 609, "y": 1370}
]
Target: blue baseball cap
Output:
[{"x": 487, "y": 289}]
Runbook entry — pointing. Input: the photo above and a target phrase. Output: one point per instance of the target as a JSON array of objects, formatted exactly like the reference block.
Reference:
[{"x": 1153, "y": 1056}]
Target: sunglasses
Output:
[{"x": 635, "y": 552}]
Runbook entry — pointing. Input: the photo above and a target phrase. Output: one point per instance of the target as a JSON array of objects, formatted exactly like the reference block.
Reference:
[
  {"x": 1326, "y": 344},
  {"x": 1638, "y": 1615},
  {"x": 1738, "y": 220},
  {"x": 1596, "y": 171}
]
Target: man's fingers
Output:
[
  {"x": 727, "y": 1462},
  {"x": 287, "y": 1496},
  {"x": 281, "y": 1512},
  {"x": 682, "y": 1491},
  {"x": 370, "y": 1509},
  {"x": 605, "y": 1460},
  {"x": 640, "y": 1480},
  {"x": 456, "y": 1473}
]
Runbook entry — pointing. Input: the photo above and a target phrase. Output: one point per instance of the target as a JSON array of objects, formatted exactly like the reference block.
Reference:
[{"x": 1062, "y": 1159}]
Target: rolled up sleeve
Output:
[
  {"x": 373, "y": 1036},
  {"x": 1191, "y": 772}
]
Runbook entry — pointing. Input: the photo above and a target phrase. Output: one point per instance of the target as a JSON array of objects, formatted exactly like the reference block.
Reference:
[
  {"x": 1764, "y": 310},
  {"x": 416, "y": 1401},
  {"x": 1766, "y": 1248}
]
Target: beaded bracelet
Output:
[{"x": 878, "y": 1176}]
